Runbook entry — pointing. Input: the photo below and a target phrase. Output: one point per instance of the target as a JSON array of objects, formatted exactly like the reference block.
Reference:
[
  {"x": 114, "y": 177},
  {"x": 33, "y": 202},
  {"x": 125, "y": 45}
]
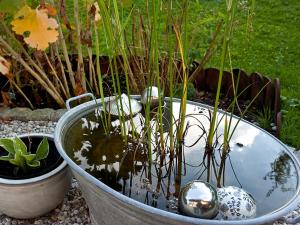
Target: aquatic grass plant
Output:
[
  {"x": 181, "y": 127},
  {"x": 231, "y": 4},
  {"x": 155, "y": 64},
  {"x": 153, "y": 70}
]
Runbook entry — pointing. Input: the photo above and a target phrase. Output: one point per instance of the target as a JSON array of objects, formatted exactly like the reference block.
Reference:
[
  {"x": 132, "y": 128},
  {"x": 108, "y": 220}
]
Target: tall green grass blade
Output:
[
  {"x": 227, "y": 33},
  {"x": 184, "y": 94},
  {"x": 106, "y": 121}
]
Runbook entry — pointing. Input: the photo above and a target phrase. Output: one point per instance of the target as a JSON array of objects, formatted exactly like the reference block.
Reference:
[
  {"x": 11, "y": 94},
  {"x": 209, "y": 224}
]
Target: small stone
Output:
[
  {"x": 38, "y": 222},
  {"x": 57, "y": 210}
]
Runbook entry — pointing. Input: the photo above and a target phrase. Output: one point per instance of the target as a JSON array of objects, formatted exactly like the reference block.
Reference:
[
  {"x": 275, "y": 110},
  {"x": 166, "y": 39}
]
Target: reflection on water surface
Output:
[{"x": 256, "y": 162}]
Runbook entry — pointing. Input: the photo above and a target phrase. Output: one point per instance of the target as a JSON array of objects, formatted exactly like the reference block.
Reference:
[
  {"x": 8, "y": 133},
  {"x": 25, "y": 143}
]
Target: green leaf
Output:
[
  {"x": 5, "y": 158},
  {"x": 19, "y": 161},
  {"x": 20, "y": 146},
  {"x": 34, "y": 163},
  {"x": 15, "y": 162},
  {"x": 29, "y": 158},
  {"x": 11, "y": 7},
  {"x": 43, "y": 149},
  {"x": 7, "y": 144}
]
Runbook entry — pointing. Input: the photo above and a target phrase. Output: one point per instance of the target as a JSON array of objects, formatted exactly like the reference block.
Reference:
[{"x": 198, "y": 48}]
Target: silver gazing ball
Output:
[
  {"x": 198, "y": 199},
  {"x": 235, "y": 204},
  {"x": 115, "y": 102},
  {"x": 152, "y": 95}
]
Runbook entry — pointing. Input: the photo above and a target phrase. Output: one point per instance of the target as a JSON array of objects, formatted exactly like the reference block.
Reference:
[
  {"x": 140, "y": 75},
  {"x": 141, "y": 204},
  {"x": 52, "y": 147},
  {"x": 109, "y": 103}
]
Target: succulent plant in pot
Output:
[
  {"x": 33, "y": 176},
  {"x": 20, "y": 156}
]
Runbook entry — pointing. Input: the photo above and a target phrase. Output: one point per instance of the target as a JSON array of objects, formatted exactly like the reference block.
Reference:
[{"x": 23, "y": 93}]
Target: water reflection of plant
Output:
[
  {"x": 164, "y": 169},
  {"x": 281, "y": 171}
]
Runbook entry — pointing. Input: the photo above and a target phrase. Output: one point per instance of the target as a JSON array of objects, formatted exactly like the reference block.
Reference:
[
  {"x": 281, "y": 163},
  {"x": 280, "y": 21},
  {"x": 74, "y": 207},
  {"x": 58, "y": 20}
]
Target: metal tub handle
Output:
[{"x": 77, "y": 98}]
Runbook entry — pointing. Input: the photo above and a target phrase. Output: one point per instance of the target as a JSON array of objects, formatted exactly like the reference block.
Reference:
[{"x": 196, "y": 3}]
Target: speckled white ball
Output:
[{"x": 235, "y": 204}]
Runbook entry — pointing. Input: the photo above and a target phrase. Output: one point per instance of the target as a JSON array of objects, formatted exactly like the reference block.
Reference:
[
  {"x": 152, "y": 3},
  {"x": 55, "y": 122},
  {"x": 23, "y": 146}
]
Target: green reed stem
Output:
[
  {"x": 80, "y": 64},
  {"x": 155, "y": 48},
  {"x": 170, "y": 74},
  {"x": 125, "y": 59},
  {"x": 182, "y": 50},
  {"x": 228, "y": 25},
  {"x": 184, "y": 94},
  {"x": 225, "y": 149},
  {"x": 106, "y": 122},
  {"x": 111, "y": 45},
  {"x": 150, "y": 75},
  {"x": 235, "y": 90}
]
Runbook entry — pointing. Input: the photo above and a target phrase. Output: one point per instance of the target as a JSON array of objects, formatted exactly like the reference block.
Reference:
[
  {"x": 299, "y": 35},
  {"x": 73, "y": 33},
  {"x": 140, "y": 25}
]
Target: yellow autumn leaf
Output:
[
  {"x": 4, "y": 66},
  {"x": 37, "y": 28}
]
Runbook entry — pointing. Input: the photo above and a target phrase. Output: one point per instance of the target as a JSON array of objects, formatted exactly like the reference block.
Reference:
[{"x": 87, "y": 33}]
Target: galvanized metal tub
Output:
[{"x": 108, "y": 206}]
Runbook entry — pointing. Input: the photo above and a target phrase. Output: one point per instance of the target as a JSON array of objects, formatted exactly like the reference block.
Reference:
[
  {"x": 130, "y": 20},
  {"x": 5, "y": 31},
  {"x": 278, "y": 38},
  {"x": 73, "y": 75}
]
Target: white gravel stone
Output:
[{"x": 73, "y": 210}]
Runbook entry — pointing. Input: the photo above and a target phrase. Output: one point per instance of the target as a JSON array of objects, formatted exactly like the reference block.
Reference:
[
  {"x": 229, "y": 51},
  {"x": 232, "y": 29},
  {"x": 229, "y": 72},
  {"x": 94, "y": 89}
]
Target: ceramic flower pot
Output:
[{"x": 34, "y": 194}]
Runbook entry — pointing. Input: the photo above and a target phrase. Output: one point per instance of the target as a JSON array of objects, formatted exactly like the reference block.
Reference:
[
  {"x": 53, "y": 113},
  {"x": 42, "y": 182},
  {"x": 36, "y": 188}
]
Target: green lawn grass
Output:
[{"x": 271, "y": 48}]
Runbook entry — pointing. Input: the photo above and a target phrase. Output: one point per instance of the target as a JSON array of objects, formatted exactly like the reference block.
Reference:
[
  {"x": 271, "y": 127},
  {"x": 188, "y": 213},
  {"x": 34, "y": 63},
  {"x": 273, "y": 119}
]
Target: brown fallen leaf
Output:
[
  {"x": 38, "y": 29},
  {"x": 63, "y": 14},
  {"x": 4, "y": 66},
  {"x": 51, "y": 11},
  {"x": 5, "y": 98},
  {"x": 79, "y": 90},
  {"x": 95, "y": 12},
  {"x": 86, "y": 38}
]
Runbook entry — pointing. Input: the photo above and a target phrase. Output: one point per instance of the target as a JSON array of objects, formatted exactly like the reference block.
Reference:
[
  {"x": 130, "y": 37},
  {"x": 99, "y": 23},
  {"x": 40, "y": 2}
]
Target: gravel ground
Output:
[{"x": 73, "y": 210}]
